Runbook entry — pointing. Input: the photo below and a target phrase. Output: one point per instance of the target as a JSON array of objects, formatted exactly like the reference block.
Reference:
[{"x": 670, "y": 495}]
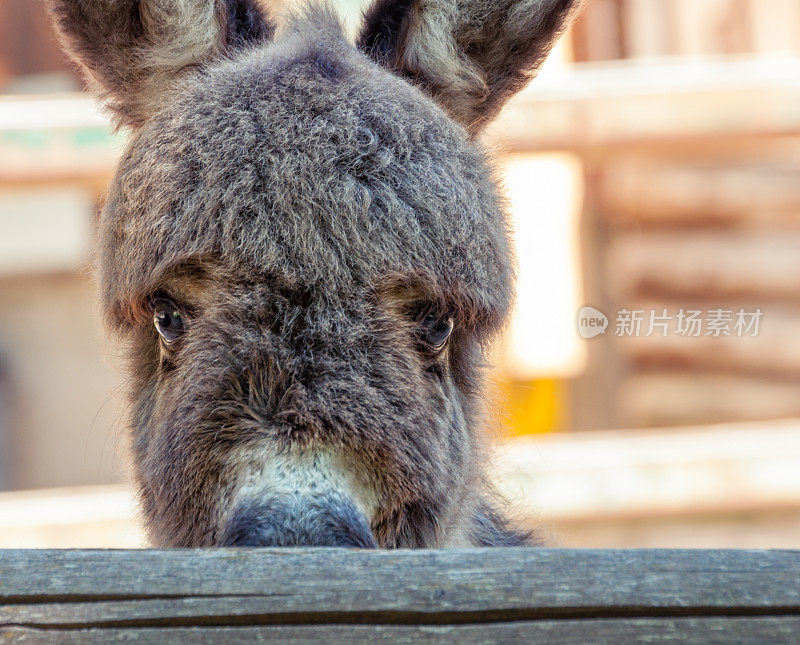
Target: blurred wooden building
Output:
[
  {"x": 692, "y": 170},
  {"x": 679, "y": 119},
  {"x": 675, "y": 127}
]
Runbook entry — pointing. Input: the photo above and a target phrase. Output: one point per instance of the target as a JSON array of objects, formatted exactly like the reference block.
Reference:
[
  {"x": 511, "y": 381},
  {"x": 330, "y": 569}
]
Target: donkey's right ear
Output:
[
  {"x": 132, "y": 51},
  {"x": 471, "y": 56}
]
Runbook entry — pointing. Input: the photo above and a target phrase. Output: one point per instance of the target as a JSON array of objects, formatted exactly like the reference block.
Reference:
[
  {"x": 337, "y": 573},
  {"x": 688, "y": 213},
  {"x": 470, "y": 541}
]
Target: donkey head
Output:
[{"x": 305, "y": 253}]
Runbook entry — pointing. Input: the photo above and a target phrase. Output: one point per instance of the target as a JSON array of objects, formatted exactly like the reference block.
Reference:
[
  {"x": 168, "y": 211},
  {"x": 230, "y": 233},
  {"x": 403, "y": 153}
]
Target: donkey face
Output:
[{"x": 305, "y": 251}]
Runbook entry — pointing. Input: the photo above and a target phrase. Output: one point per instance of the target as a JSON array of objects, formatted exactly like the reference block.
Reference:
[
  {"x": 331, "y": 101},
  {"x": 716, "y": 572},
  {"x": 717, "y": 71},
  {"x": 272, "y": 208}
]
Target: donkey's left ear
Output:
[
  {"x": 469, "y": 55},
  {"x": 132, "y": 52}
]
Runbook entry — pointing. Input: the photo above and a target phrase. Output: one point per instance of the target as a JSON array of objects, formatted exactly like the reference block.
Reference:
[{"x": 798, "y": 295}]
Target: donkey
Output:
[{"x": 305, "y": 255}]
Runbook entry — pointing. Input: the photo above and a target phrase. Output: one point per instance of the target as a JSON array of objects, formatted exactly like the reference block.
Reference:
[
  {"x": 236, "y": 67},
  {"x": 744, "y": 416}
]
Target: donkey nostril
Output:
[{"x": 326, "y": 521}]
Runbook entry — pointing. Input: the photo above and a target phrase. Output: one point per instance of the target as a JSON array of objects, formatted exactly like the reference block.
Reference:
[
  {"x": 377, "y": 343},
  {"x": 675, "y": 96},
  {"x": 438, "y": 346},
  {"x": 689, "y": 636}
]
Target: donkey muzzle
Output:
[{"x": 327, "y": 520}]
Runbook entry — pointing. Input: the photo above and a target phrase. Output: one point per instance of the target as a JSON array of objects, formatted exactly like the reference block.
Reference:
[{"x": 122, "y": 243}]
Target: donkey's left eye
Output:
[
  {"x": 436, "y": 330},
  {"x": 168, "y": 320}
]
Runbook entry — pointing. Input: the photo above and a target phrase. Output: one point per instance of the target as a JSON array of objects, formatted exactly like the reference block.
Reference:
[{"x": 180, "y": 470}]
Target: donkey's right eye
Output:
[{"x": 168, "y": 320}]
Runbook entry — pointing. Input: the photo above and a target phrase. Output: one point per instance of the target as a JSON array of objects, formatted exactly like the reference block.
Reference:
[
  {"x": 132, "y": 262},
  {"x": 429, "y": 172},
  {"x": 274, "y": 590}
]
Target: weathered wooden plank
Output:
[
  {"x": 474, "y": 583},
  {"x": 672, "y": 473},
  {"x": 596, "y": 106},
  {"x": 640, "y": 191},
  {"x": 736, "y": 264},
  {"x": 755, "y": 630},
  {"x": 649, "y": 399},
  {"x": 774, "y": 352},
  {"x": 244, "y": 610}
]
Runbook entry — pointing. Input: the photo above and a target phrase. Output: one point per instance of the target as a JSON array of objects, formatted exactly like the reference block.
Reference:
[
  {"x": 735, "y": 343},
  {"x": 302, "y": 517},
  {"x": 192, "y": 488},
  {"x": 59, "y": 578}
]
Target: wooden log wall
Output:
[
  {"x": 721, "y": 235},
  {"x": 334, "y": 595},
  {"x": 611, "y": 29},
  {"x": 684, "y": 213},
  {"x": 693, "y": 219}
]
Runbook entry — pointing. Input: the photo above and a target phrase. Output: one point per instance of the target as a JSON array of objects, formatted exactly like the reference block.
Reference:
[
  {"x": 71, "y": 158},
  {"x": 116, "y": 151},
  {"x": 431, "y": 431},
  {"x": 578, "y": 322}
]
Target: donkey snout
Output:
[{"x": 303, "y": 521}]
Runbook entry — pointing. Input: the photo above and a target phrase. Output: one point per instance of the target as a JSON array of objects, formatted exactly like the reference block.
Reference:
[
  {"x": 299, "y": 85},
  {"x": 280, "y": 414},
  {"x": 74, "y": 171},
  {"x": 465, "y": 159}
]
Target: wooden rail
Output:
[
  {"x": 591, "y": 107},
  {"x": 595, "y": 107},
  {"x": 473, "y": 595},
  {"x": 719, "y": 476}
]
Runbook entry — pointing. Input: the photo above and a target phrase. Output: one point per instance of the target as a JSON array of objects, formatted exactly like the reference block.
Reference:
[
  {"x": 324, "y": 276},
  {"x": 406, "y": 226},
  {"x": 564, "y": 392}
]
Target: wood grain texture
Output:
[
  {"x": 773, "y": 354},
  {"x": 336, "y": 595},
  {"x": 624, "y": 105},
  {"x": 425, "y": 581},
  {"x": 669, "y": 397},
  {"x": 700, "y": 631},
  {"x": 641, "y": 191},
  {"x": 705, "y": 265}
]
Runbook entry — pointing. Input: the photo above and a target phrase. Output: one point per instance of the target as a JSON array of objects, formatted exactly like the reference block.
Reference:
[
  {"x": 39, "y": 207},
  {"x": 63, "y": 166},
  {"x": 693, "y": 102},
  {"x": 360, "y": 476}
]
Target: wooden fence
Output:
[
  {"x": 692, "y": 202},
  {"x": 334, "y": 595}
]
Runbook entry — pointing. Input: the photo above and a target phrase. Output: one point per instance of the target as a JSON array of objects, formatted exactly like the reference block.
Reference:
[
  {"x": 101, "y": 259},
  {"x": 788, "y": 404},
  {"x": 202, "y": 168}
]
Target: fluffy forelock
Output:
[{"x": 304, "y": 159}]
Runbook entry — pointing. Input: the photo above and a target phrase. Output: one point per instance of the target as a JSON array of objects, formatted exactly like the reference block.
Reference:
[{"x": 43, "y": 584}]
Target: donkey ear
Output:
[
  {"x": 132, "y": 51},
  {"x": 470, "y": 55}
]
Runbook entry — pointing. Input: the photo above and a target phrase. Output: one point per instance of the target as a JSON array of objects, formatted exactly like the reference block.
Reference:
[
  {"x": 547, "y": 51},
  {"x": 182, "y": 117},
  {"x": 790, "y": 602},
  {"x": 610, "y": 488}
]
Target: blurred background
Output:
[{"x": 649, "y": 384}]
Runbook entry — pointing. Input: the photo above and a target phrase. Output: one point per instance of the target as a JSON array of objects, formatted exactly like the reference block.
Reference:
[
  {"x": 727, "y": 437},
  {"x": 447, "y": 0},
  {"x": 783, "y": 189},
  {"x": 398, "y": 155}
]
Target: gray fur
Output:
[
  {"x": 301, "y": 203},
  {"x": 132, "y": 51},
  {"x": 472, "y": 55}
]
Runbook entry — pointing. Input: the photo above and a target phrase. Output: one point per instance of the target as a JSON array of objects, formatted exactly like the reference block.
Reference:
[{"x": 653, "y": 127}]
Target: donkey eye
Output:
[
  {"x": 435, "y": 331},
  {"x": 168, "y": 319}
]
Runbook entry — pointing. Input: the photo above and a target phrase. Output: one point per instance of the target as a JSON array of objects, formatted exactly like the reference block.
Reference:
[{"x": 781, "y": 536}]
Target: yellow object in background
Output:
[
  {"x": 533, "y": 407},
  {"x": 541, "y": 349}
]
